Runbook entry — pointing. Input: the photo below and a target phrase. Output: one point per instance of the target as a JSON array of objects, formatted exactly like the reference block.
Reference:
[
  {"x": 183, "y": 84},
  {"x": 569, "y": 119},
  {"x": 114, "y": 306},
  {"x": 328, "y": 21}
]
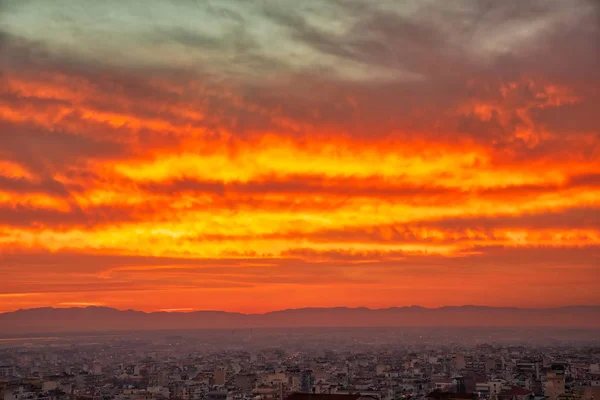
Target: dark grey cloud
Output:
[
  {"x": 28, "y": 216},
  {"x": 23, "y": 185},
  {"x": 45, "y": 149},
  {"x": 370, "y": 72},
  {"x": 482, "y": 259},
  {"x": 73, "y": 260},
  {"x": 469, "y": 231},
  {"x": 566, "y": 219}
]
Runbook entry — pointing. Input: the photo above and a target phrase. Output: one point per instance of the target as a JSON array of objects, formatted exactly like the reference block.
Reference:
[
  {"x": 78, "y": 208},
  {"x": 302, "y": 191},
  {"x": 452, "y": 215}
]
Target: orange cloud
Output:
[{"x": 139, "y": 185}]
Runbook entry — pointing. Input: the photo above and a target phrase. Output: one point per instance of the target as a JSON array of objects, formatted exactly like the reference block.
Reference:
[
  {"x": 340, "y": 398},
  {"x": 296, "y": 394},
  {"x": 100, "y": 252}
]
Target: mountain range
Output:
[{"x": 97, "y": 319}]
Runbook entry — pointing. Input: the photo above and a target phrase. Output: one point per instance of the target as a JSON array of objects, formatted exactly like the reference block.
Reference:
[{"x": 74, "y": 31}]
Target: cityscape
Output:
[
  {"x": 299, "y": 200},
  {"x": 305, "y": 363}
]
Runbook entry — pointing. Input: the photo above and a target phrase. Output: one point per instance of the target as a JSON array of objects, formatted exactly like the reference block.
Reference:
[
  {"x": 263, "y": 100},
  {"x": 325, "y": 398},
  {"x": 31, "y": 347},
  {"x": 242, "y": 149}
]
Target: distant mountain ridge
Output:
[{"x": 97, "y": 319}]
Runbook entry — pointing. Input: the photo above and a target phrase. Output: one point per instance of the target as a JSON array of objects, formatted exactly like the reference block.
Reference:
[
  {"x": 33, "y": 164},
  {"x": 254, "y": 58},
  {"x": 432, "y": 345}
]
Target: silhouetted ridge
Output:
[{"x": 94, "y": 318}]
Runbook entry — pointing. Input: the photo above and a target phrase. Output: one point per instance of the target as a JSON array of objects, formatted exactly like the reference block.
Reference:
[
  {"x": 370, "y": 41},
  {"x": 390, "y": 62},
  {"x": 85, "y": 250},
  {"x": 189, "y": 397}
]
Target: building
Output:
[
  {"x": 442, "y": 383},
  {"x": 219, "y": 377},
  {"x": 270, "y": 392},
  {"x": 591, "y": 393},
  {"x": 459, "y": 362},
  {"x": 245, "y": 382},
  {"x": 324, "y": 396},
  {"x": 444, "y": 395},
  {"x": 217, "y": 395},
  {"x": 306, "y": 381},
  {"x": 516, "y": 393},
  {"x": 6, "y": 372},
  {"x": 495, "y": 387},
  {"x": 555, "y": 385}
]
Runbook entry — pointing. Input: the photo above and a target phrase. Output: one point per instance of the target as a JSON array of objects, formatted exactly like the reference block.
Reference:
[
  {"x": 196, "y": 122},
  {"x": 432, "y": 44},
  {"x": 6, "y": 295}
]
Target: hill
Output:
[{"x": 96, "y": 319}]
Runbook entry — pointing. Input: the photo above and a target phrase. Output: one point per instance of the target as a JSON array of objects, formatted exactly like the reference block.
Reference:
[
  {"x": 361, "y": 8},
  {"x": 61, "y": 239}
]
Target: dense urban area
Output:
[{"x": 304, "y": 364}]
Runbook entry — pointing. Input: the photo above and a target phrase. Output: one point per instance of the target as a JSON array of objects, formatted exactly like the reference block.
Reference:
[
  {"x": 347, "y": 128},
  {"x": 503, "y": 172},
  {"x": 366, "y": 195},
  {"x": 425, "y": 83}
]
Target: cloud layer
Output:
[{"x": 251, "y": 156}]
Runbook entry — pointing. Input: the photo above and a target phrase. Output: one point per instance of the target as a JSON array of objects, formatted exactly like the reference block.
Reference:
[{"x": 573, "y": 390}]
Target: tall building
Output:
[
  {"x": 460, "y": 384},
  {"x": 555, "y": 385},
  {"x": 306, "y": 381}
]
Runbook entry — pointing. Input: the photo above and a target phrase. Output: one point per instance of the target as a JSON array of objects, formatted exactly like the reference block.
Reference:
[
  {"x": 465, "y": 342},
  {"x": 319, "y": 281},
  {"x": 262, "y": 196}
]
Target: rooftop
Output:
[{"x": 322, "y": 396}]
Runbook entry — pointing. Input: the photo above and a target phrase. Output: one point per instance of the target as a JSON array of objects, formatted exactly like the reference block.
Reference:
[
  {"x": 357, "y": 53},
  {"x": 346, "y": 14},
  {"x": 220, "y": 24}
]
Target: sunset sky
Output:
[{"x": 261, "y": 155}]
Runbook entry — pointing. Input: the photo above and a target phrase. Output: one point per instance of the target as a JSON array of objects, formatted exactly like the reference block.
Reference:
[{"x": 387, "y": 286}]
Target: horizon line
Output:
[{"x": 190, "y": 310}]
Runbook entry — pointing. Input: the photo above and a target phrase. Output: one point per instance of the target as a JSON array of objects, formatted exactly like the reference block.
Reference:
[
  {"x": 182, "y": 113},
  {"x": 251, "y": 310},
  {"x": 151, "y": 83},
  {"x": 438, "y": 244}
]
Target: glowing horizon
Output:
[{"x": 276, "y": 157}]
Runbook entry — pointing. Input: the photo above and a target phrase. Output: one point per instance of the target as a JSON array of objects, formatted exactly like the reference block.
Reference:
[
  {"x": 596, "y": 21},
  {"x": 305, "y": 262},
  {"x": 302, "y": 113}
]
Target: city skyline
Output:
[{"x": 259, "y": 156}]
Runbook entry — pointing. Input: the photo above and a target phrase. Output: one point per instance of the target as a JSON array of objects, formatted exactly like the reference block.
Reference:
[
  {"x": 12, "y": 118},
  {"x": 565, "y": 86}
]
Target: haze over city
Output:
[{"x": 255, "y": 156}]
